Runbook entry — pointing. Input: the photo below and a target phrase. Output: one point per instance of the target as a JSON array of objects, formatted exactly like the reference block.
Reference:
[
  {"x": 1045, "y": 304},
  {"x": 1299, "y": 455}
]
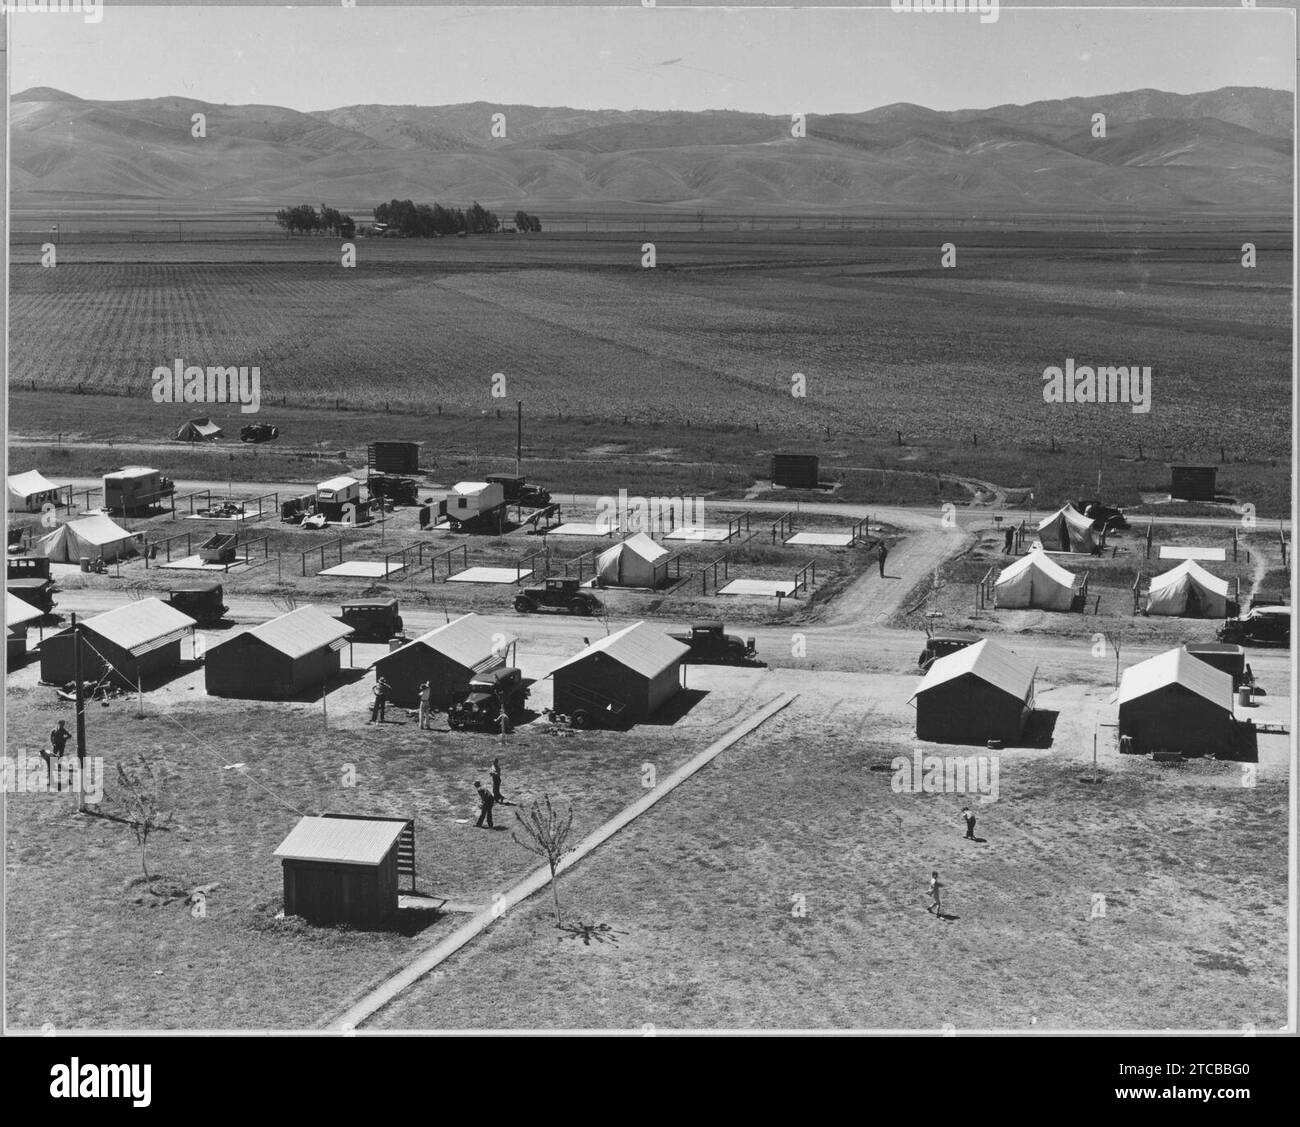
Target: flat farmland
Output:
[{"x": 712, "y": 336}]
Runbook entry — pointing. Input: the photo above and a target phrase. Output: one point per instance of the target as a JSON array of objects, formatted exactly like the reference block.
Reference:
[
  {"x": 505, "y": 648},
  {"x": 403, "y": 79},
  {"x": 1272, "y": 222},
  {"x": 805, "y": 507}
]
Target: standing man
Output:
[
  {"x": 59, "y": 738},
  {"x": 426, "y": 700},
  {"x": 495, "y": 776},
  {"x": 382, "y": 689},
  {"x": 935, "y": 886},
  {"x": 1008, "y": 539},
  {"x": 881, "y": 555},
  {"x": 485, "y": 802},
  {"x": 970, "y": 822}
]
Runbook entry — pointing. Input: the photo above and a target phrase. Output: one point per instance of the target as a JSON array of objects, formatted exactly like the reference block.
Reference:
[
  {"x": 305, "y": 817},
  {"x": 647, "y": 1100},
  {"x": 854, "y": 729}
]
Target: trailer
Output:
[
  {"x": 136, "y": 489},
  {"x": 474, "y": 506}
]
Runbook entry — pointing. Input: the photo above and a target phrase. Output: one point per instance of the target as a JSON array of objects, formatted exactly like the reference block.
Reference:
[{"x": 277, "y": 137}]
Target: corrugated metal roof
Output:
[
  {"x": 467, "y": 641},
  {"x": 641, "y": 647},
  {"x": 141, "y": 627},
  {"x": 347, "y": 841},
  {"x": 989, "y": 662},
  {"x": 1194, "y": 571},
  {"x": 300, "y": 631},
  {"x": 1043, "y": 562},
  {"x": 641, "y": 545},
  {"x": 1176, "y": 667},
  {"x": 17, "y": 612}
]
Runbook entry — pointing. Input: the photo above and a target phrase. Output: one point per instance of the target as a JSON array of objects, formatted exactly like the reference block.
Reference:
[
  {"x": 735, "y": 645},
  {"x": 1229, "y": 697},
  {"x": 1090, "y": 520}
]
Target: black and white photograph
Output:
[{"x": 650, "y": 520}]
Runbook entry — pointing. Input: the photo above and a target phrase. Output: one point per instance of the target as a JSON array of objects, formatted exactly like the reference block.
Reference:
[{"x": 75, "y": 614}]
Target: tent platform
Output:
[
  {"x": 575, "y": 528},
  {"x": 227, "y": 520},
  {"x": 363, "y": 569},
  {"x": 823, "y": 539},
  {"x": 697, "y": 534},
  {"x": 1191, "y": 552},
  {"x": 770, "y": 587},
  {"x": 490, "y": 575},
  {"x": 195, "y": 563}
]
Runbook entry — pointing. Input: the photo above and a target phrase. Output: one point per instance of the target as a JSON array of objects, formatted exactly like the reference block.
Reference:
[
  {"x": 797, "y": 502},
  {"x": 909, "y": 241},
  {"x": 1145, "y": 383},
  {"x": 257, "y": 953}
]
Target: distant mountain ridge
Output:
[{"x": 1210, "y": 150}]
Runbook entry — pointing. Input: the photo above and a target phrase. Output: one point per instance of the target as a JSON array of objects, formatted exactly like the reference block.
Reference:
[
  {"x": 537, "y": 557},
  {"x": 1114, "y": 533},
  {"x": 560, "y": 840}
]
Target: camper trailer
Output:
[
  {"x": 474, "y": 504},
  {"x": 135, "y": 489}
]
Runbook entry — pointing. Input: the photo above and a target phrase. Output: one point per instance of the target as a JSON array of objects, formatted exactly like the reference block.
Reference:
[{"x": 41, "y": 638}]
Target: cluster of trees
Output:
[
  {"x": 423, "y": 221},
  {"x": 526, "y": 222},
  {"x": 307, "y": 220}
]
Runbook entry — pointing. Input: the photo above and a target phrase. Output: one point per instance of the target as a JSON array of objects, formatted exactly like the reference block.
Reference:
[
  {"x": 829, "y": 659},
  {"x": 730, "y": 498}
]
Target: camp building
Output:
[
  {"x": 1176, "y": 702},
  {"x": 448, "y": 657},
  {"x": 980, "y": 693},
  {"x": 140, "y": 641},
  {"x": 340, "y": 869},
  {"x": 30, "y": 492},
  {"x": 631, "y": 673},
  {"x": 286, "y": 657}
]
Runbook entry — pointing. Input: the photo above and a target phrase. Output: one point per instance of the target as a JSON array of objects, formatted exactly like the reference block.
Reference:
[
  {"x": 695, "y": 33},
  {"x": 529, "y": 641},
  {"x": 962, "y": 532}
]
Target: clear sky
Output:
[{"x": 628, "y": 57}]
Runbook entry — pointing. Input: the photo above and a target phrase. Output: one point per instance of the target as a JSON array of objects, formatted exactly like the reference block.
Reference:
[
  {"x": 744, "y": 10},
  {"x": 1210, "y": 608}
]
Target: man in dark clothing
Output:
[
  {"x": 970, "y": 822},
  {"x": 382, "y": 689},
  {"x": 880, "y": 555},
  {"x": 485, "y": 803},
  {"x": 1008, "y": 539},
  {"x": 59, "y": 738}
]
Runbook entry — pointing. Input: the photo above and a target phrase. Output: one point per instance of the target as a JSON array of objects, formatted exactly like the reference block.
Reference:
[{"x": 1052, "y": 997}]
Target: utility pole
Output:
[
  {"x": 81, "y": 716},
  {"x": 519, "y": 435}
]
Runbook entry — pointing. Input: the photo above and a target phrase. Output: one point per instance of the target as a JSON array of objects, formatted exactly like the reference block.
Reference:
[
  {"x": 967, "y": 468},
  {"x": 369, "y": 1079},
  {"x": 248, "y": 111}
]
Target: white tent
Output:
[
  {"x": 1067, "y": 530},
  {"x": 1034, "y": 580},
  {"x": 29, "y": 491},
  {"x": 635, "y": 562},
  {"x": 1188, "y": 591},
  {"x": 93, "y": 537}
]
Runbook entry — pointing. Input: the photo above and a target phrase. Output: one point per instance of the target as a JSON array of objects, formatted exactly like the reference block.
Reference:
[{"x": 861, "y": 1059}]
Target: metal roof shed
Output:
[
  {"x": 980, "y": 693},
  {"x": 343, "y": 870},
  {"x": 286, "y": 657},
  {"x": 637, "y": 668},
  {"x": 447, "y": 657},
  {"x": 140, "y": 642},
  {"x": 1176, "y": 702}
]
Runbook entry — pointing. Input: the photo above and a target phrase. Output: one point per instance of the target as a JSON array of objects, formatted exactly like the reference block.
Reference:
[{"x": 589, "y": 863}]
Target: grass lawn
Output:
[{"x": 698, "y": 899}]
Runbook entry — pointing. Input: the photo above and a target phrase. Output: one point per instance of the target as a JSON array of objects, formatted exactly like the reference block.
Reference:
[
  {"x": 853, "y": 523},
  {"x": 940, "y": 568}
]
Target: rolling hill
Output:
[{"x": 1199, "y": 152}]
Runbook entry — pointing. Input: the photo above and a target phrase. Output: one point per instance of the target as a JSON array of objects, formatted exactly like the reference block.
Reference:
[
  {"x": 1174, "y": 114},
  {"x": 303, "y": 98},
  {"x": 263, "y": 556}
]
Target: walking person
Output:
[
  {"x": 485, "y": 804},
  {"x": 382, "y": 690},
  {"x": 495, "y": 776},
  {"x": 426, "y": 711},
  {"x": 59, "y": 738},
  {"x": 970, "y": 822},
  {"x": 1008, "y": 539},
  {"x": 934, "y": 888},
  {"x": 881, "y": 555}
]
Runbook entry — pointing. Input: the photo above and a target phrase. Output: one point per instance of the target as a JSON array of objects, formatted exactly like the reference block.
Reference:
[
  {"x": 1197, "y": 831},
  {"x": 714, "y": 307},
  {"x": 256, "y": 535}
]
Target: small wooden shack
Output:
[
  {"x": 344, "y": 869},
  {"x": 1193, "y": 483},
  {"x": 796, "y": 471}
]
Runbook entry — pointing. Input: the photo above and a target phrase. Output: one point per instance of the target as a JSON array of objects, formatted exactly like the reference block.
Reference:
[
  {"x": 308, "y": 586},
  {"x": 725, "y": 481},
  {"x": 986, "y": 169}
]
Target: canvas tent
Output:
[
  {"x": 1188, "y": 591},
  {"x": 1034, "y": 580},
  {"x": 635, "y": 562},
  {"x": 29, "y": 491},
  {"x": 1067, "y": 530},
  {"x": 199, "y": 430},
  {"x": 139, "y": 641},
  {"x": 93, "y": 537},
  {"x": 1176, "y": 702},
  {"x": 980, "y": 693},
  {"x": 448, "y": 658},
  {"x": 636, "y": 669},
  {"x": 286, "y": 657},
  {"x": 18, "y": 616}
]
